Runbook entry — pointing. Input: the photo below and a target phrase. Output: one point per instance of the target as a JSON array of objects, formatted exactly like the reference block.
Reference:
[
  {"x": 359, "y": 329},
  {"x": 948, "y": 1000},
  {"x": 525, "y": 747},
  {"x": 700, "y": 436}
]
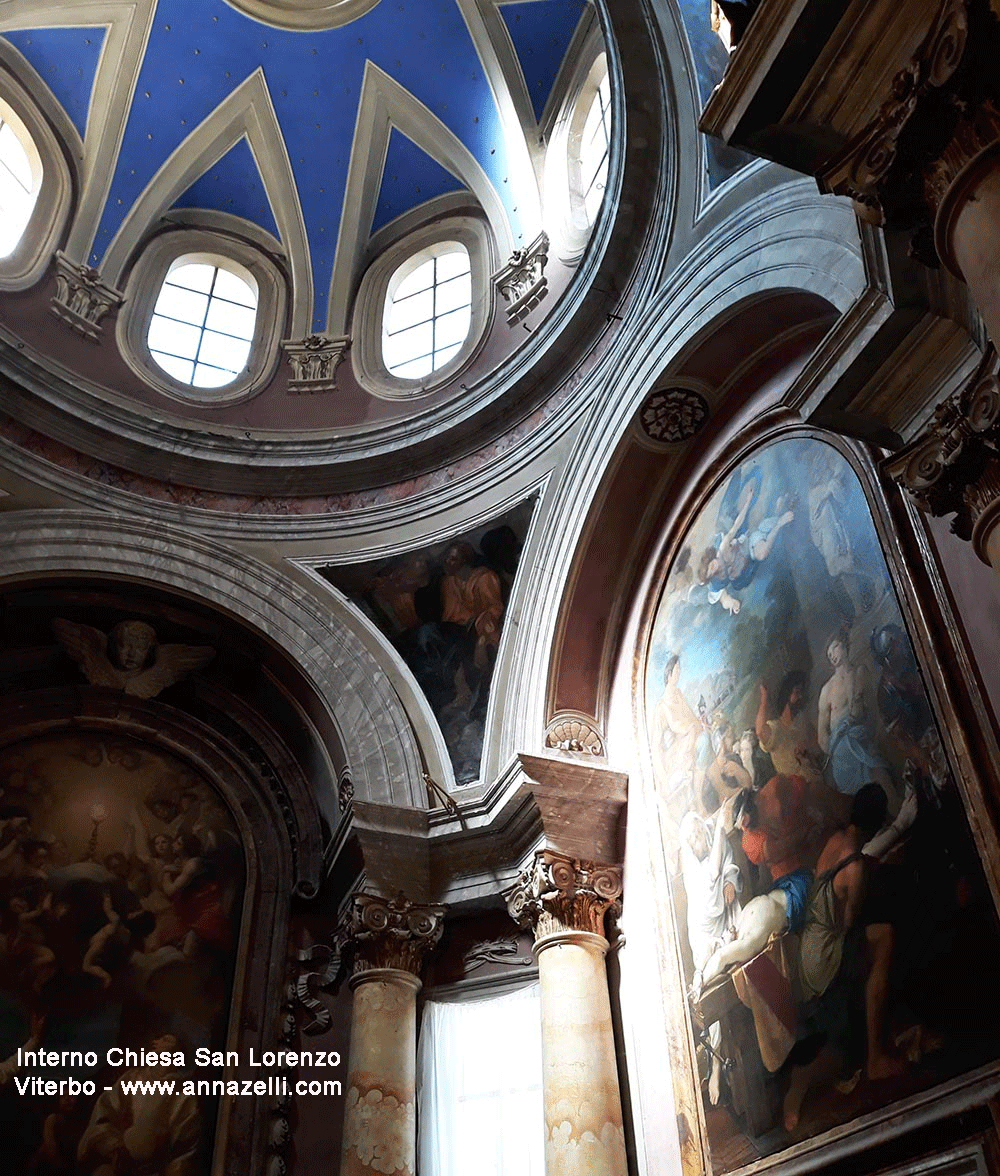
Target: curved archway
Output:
[{"x": 347, "y": 684}]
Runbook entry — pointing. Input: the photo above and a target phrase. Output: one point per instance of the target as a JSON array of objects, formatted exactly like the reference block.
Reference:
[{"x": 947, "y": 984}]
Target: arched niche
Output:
[
  {"x": 342, "y": 687},
  {"x": 738, "y": 368},
  {"x": 782, "y": 568}
]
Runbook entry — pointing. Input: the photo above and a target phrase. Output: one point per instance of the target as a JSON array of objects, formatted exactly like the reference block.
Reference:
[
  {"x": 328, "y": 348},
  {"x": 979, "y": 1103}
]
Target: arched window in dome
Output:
[
  {"x": 578, "y": 131},
  {"x": 595, "y": 144},
  {"x": 428, "y": 311},
  {"x": 37, "y": 143},
  {"x": 204, "y": 313},
  {"x": 425, "y": 303},
  {"x": 202, "y": 326},
  {"x": 20, "y": 181}
]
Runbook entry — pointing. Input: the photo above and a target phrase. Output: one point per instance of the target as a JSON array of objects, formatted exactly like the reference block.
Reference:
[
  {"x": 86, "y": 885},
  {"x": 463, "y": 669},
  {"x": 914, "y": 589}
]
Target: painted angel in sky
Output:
[{"x": 730, "y": 562}]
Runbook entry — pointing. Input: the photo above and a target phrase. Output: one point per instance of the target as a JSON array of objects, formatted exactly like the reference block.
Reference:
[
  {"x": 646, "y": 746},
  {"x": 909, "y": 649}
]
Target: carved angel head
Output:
[{"x": 131, "y": 643}]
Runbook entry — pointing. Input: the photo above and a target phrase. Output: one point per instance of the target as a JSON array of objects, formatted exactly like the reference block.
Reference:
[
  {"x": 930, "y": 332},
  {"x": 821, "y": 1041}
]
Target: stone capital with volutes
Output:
[
  {"x": 376, "y": 934},
  {"x": 522, "y": 280},
  {"x": 938, "y": 122},
  {"x": 82, "y": 298},
  {"x": 558, "y": 894},
  {"x": 313, "y": 362},
  {"x": 953, "y": 466}
]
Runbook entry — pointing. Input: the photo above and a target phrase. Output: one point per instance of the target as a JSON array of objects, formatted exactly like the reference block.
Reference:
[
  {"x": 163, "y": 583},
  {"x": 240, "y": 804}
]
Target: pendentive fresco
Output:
[
  {"x": 831, "y": 915},
  {"x": 443, "y": 608}
]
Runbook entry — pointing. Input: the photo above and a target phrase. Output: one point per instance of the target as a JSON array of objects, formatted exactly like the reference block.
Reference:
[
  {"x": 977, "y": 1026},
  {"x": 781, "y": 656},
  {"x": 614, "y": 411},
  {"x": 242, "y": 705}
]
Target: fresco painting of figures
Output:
[
  {"x": 121, "y": 884},
  {"x": 831, "y": 913},
  {"x": 444, "y": 608}
]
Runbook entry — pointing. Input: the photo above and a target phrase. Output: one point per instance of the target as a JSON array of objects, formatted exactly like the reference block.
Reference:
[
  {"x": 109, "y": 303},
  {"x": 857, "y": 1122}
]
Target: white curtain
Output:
[{"x": 479, "y": 1087}]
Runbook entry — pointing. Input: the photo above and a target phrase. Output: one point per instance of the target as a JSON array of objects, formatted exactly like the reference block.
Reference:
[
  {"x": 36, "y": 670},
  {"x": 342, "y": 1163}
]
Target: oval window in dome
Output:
[
  {"x": 19, "y": 184},
  {"x": 202, "y": 326},
  {"x": 428, "y": 312}
]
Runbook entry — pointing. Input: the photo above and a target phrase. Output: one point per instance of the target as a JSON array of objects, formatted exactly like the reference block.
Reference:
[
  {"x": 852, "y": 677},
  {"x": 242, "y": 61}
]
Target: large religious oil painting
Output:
[
  {"x": 443, "y": 608},
  {"x": 831, "y": 916},
  {"x": 121, "y": 887}
]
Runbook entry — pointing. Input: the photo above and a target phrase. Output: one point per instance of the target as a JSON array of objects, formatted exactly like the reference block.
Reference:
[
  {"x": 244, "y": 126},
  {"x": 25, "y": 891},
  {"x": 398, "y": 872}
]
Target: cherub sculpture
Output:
[{"x": 129, "y": 658}]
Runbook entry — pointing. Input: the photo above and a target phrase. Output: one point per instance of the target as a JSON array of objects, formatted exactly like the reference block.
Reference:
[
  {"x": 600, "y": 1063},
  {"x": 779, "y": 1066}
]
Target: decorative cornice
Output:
[
  {"x": 314, "y": 361},
  {"x": 912, "y": 166},
  {"x": 81, "y": 299},
  {"x": 860, "y": 170},
  {"x": 378, "y": 933},
  {"x": 557, "y": 893},
  {"x": 581, "y": 803},
  {"x": 522, "y": 280},
  {"x": 954, "y": 465}
]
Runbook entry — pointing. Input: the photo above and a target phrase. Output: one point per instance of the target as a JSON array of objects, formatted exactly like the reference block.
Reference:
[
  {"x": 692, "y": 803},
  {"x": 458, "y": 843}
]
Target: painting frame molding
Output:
[{"x": 956, "y": 700}]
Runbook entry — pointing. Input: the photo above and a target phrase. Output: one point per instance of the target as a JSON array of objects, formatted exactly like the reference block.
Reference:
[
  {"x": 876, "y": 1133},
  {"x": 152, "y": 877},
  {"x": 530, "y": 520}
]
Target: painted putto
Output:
[{"x": 827, "y": 891}]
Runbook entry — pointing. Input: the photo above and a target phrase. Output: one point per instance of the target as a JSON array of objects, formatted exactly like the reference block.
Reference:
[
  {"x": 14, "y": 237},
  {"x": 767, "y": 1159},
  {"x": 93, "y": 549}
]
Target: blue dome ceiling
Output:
[{"x": 189, "y": 69}]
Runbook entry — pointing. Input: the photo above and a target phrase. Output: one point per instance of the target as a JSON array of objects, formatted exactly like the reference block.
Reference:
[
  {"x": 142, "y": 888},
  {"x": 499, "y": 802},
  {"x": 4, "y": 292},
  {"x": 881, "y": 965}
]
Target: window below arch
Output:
[
  {"x": 203, "y": 316},
  {"x": 202, "y": 325},
  {"x": 424, "y": 307},
  {"x": 428, "y": 312}
]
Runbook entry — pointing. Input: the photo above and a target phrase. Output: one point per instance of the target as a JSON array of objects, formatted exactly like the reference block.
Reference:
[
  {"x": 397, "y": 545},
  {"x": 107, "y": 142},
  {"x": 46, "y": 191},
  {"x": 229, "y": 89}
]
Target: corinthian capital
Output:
[
  {"x": 81, "y": 299},
  {"x": 954, "y": 465},
  {"x": 559, "y": 893},
  {"x": 388, "y": 933}
]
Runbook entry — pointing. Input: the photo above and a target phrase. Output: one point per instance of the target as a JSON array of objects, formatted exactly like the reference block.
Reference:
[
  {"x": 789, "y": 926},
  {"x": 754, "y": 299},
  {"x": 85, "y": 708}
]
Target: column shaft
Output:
[
  {"x": 583, "y": 1115},
  {"x": 385, "y": 942},
  {"x": 566, "y": 901},
  {"x": 976, "y": 246},
  {"x": 380, "y": 1110}
]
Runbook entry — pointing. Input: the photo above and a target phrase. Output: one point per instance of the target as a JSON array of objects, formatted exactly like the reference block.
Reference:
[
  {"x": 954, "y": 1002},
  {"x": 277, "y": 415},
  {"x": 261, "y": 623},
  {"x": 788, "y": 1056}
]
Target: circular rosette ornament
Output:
[{"x": 670, "y": 415}]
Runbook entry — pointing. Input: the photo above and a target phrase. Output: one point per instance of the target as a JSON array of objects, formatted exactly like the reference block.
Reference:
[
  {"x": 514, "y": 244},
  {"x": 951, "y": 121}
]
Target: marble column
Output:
[
  {"x": 565, "y": 901},
  {"x": 962, "y": 185},
  {"x": 386, "y": 943},
  {"x": 953, "y": 467}
]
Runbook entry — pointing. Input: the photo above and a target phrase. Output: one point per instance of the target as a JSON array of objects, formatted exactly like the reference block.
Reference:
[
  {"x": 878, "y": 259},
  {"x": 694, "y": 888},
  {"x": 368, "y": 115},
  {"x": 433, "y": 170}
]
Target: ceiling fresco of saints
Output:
[
  {"x": 121, "y": 887},
  {"x": 443, "y": 608},
  {"x": 832, "y": 918}
]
